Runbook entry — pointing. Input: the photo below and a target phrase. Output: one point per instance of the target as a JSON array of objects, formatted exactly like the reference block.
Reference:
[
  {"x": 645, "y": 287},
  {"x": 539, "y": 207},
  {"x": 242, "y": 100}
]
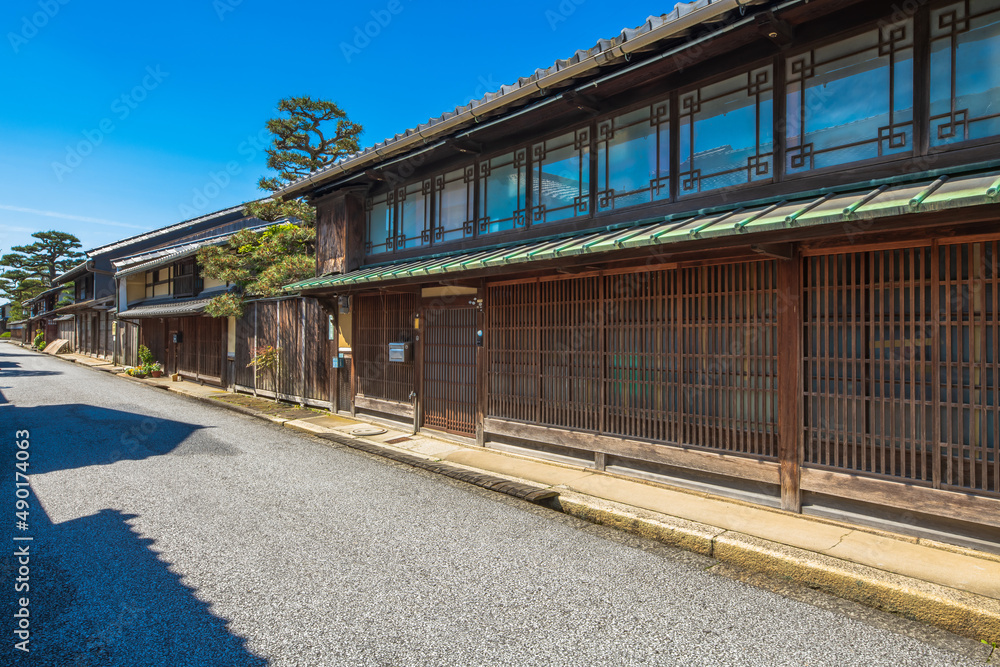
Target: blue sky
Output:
[{"x": 120, "y": 117}]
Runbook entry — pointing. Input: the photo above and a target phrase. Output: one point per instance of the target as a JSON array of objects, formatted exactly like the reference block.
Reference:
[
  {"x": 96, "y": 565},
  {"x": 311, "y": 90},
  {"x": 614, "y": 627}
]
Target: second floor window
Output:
[
  {"x": 965, "y": 72},
  {"x": 851, "y": 100}
]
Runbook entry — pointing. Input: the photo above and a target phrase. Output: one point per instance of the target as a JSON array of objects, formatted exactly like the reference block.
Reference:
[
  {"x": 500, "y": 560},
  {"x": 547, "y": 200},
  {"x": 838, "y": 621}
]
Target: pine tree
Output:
[{"x": 310, "y": 134}]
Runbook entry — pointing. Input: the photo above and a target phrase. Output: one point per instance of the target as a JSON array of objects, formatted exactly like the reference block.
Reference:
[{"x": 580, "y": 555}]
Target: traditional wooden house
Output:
[
  {"x": 162, "y": 295},
  {"x": 42, "y": 313},
  {"x": 748, "y": 247},
  {"x": 88, "y": 323},
  {"x": 4, "y": 317}
]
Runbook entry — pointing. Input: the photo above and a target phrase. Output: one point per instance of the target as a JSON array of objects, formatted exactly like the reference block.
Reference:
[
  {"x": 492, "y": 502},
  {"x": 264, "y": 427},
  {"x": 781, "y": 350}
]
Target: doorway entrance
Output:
[{"x": 449, "y": 370}]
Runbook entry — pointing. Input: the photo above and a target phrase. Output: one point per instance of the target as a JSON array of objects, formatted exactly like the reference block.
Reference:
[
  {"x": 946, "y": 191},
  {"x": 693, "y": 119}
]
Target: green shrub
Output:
[
  {"x": 146, "y": 357},
  {"x": 41, "y": 346},
  {"x": 5, "y": 334},
  {"x": 39, "y": 338}
]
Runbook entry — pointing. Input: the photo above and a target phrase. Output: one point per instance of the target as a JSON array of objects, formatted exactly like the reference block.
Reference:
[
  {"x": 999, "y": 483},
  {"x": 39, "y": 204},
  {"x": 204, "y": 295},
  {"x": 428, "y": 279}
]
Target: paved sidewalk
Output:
[{"x": 954, "y": 588}]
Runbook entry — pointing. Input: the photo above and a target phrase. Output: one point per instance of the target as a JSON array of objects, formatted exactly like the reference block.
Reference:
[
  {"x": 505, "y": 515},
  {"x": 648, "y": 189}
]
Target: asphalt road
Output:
[{"x": 171, "y": 532}]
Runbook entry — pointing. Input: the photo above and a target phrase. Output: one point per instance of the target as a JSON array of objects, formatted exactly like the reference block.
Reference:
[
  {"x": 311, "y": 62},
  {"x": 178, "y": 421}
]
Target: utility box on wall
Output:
[{"x": 400, "y": 352}]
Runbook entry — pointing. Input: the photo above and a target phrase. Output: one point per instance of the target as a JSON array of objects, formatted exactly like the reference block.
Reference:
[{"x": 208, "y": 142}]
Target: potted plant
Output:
[{"x": 156, "y": 370}]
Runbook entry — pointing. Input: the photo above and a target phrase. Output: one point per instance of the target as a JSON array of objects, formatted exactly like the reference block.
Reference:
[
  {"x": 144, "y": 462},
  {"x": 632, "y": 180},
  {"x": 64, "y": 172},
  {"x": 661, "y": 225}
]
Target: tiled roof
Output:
[
  {"x": 171, "y": 308},
  {"x": 150, "y": 260},
  {"x": 586, "y": 62}
]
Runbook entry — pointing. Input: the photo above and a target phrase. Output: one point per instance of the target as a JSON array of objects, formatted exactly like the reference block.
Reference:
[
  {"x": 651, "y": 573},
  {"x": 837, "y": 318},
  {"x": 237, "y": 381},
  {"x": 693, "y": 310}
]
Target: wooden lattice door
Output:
[{"x": 449, "y": 370}]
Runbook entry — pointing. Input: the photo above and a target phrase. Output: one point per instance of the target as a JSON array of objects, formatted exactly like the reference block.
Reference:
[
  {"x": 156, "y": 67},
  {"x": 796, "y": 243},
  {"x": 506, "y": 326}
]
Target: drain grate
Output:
[{"x": 396, "y": 441}]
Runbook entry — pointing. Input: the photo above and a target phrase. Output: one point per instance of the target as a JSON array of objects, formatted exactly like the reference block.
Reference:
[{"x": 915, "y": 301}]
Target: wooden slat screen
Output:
[
  {"x": 683, "y": 356},
  {"x": 297, "y": 328},
  {"x": 902, "y": 364},
  {"x": 512, "y": 339},
  {"x": 450, "y": 369},
  {"x": 381, "y": 320}
]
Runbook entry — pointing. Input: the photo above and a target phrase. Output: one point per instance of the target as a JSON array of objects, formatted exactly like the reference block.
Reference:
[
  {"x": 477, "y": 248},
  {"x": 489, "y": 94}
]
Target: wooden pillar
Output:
[
  {"x": 302, "y": 351},
  {"x": 482, "y": 359},
  {"x": 790, "y": 388},
  {"x": 354, "y": 361},
  {"x": 333, "y": 347}
]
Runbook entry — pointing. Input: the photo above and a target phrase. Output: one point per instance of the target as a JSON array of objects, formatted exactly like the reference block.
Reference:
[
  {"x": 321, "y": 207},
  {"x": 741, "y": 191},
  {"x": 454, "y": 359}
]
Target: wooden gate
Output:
[{"x": 449, "y": 370}]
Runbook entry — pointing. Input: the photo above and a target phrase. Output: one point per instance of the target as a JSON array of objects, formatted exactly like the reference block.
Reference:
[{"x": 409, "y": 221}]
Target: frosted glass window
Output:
[
  {"x": 454, "y": 194},
  {"x": 414, "y": 203},
  {"x": 380, "y": 236}
]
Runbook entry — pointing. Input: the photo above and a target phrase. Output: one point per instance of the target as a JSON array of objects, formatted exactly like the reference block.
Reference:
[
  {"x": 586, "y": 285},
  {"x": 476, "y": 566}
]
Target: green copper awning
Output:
[{"x": 860, "y": 206}]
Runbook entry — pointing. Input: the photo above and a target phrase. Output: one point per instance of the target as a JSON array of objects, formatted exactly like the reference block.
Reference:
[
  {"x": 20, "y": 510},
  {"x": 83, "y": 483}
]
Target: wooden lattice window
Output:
[
  {"x": 560, "y": 177},
  {"x": 381, "y": 320},
  {"x": 684, "y": 356},
  {"x": 902, "y": 364},
  {"x": 633, "y": 157}
]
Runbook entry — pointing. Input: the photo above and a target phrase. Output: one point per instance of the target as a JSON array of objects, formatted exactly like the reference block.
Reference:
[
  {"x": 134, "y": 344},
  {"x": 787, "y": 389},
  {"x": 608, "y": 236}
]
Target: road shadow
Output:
[
  {"x": 12, "y": 369},
  {"x": 76, "y": 435},
  {"x": 100, "y": 595}
]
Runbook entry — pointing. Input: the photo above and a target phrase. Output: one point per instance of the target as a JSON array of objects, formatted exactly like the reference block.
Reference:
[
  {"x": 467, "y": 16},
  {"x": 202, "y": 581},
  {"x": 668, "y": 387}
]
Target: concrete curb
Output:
[{"x": 963, "y": 613}]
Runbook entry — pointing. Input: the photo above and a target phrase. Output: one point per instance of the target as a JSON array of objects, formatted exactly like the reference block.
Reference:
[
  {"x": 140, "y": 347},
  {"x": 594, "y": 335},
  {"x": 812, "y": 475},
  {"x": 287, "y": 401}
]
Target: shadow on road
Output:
[
  {"x": 77, "y": 435},
  {"x": 13, "y": 369},
  {"x": 99, "y": 593}
]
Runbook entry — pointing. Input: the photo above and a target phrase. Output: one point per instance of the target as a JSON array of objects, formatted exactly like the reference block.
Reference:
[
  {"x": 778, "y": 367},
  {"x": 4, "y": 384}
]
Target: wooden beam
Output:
[
  {"x": 783, "y": 251},
  {"x": 790, "y": 388},
  {"x": 387, "y": 407},
  {"x": 967, "y": 507},
  {"x": 728, "y": 465}
]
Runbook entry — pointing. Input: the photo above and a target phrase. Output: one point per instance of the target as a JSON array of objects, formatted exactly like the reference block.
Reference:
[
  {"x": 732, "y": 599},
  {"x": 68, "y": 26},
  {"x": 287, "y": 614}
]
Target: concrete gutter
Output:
[{"x": 954, "y": 588}]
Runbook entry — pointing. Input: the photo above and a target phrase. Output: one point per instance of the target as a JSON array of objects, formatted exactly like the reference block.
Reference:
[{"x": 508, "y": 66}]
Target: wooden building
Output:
[
  {"x": 163, "y": 240},
  {"x": 748, "y": 247},
  {"x": 162, "y": 295}
]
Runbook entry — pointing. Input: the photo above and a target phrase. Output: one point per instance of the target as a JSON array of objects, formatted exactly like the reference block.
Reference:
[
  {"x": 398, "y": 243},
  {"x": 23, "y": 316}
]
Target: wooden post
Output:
[
  {"x": 333, "y": 349},
  {"x": 302, "y": 351},
  {"x": 790, "y": 389},
  {"x": 418, "y": 367},
  {"x": 482, "y": 359},
  {"x": 354, "y": 366}
]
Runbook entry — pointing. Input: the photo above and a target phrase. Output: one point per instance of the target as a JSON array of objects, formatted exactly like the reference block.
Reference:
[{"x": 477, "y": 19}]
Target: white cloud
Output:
[{"x": 67, "y": 216}]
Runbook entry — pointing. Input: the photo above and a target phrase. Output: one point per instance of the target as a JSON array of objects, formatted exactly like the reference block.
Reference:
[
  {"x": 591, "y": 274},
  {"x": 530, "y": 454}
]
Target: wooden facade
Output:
[
  {"x": 298, "y": 330},
  {"x": 850, "y": 363},
  {"x": 200, "y": 351}
]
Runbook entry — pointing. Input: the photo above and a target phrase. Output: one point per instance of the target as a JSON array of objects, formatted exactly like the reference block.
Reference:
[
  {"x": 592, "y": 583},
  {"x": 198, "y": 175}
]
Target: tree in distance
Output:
[{"x": 31, "y": 269}]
